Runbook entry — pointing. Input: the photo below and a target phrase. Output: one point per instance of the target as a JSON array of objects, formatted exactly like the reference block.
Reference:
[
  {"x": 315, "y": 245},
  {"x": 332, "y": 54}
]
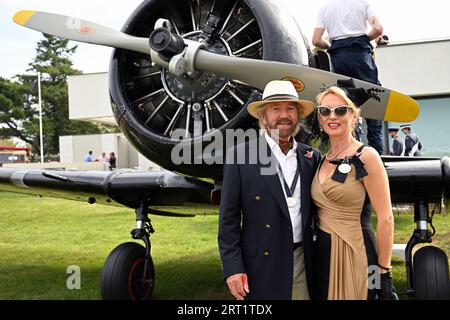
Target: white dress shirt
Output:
[{"x": 288, "y": 164}]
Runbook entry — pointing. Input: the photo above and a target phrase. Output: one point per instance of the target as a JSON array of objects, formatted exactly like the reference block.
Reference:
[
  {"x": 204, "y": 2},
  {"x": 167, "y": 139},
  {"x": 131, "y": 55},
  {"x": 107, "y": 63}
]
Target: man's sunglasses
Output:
[{"x": 339, "y": 111}]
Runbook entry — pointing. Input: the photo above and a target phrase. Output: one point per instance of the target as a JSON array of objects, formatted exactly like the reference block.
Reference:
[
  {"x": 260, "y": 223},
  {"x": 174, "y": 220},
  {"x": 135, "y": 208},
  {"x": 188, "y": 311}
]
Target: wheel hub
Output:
[{"x": 202, "y": 87}]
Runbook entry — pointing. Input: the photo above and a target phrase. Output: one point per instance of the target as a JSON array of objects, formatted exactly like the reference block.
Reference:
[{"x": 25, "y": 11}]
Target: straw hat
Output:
[{"x": 281, "y": 91}]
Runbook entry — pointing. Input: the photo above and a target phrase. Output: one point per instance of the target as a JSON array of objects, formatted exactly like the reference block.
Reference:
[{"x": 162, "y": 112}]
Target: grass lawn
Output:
[{"x": 41, "y": 237}]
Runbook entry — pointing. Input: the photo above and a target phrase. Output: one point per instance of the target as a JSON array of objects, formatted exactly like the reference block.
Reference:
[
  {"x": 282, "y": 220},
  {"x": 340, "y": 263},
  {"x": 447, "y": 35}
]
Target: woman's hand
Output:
[{"x": 386, "y": 286}]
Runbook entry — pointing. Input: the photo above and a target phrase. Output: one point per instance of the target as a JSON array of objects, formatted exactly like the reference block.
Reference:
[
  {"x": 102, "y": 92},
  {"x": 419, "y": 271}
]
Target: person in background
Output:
[
  {"x": 89, "y": 157},
  {"x": 103, "y": 157},
  {"x": 350, "y": 50},
  {"x": 412, "y": 142},
  {"x": 398, "y": 145},
  {"x": 112, "y": 161}
]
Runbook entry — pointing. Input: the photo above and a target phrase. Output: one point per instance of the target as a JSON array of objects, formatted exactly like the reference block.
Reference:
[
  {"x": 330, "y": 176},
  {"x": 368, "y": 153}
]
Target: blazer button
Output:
[
  {"x": 257, "y": 198},
  {"x": 266, "y": 254},
  {"x": 268, "y": 227}
]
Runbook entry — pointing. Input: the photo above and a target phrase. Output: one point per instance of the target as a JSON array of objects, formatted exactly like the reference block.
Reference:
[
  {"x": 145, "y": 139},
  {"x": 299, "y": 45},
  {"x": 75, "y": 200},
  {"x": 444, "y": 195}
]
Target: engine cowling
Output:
[{"x": 149, "y": 103}]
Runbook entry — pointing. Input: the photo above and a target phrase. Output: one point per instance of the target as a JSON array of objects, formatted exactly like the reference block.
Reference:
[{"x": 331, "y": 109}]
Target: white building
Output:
[
  {"x": 422, "y": 70},
  {"x": 419, "y": 69},
  {"x": 74, "y": 149},
  {"x": 89, "y": 101}
]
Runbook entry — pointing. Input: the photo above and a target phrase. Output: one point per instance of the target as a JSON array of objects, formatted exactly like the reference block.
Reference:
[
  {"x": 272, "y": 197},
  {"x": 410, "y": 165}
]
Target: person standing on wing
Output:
[{"x": 350, "y": 49}]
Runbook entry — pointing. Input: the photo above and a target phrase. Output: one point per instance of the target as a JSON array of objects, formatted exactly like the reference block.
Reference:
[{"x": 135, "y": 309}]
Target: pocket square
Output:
[{"x": 308, "y": 154}]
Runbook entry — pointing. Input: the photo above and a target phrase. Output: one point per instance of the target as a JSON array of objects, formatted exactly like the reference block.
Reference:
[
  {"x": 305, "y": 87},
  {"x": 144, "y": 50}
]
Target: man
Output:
[
  {"x": 398, "y": 146},
  {"x": 265, "y": 220},
  {"x": 89, "y": 157},
  {"x": 350, "y": 49},
  {"x": 412, "y": 143}
]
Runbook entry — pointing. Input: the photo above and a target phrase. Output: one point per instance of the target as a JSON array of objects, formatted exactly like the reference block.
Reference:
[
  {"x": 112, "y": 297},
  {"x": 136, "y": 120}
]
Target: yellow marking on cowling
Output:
[
  {"x": 401, "y": 108},
  {"x": 298, "y": 84},
  {"x": 23, "y": 16}
]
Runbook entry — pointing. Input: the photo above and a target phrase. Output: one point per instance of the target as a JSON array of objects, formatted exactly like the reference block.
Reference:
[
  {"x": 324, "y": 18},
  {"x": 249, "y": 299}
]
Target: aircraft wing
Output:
[
  {"x": 408, "y": 177},
  {"x": 126, "y": 187}
]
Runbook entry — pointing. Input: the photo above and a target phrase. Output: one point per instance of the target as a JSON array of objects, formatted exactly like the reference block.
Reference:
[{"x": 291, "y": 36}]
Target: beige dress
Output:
[{"x": 339, "y": 207}]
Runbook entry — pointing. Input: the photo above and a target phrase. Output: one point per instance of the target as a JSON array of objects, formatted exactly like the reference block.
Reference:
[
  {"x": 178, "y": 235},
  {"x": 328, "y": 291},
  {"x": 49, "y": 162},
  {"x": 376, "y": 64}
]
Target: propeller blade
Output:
[
  {"x": 385, "y": 104},
  {"x": 80, "y": 30}
]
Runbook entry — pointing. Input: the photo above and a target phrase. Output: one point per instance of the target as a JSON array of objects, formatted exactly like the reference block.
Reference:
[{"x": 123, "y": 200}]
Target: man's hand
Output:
[
  {"x": 382, "y": 40},
  {"x": 238, "y": 285}
]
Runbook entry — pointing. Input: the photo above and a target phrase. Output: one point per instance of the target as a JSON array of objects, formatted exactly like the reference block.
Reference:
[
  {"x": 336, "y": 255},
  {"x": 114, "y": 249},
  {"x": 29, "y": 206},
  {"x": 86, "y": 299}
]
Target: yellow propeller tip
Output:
[
  {"x": 401, "y": 108},
  {"x": 23, "y": 16}
]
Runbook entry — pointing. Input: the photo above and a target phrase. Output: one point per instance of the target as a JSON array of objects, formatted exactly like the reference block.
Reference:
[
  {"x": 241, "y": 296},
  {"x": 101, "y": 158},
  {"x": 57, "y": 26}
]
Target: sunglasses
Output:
[{"x": 339, "y": 111}]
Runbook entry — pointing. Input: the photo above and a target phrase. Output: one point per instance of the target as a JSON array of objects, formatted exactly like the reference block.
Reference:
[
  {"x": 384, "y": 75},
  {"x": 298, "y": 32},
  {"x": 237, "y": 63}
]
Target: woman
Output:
[
  {"x": 112, "y": 161},
  {"x": 350, "y": 175}
]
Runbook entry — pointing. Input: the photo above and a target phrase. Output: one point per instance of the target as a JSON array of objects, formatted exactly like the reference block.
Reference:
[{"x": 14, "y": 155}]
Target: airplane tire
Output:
[
  {"x": 122, "y": 274},
  {"x": 431, "y": 274}
]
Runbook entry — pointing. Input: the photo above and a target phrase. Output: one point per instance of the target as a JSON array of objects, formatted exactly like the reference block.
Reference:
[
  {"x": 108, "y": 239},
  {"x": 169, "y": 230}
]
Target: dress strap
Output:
[
  {"x": 361, "y": 148},
  {"x": 359, "y": 167}
]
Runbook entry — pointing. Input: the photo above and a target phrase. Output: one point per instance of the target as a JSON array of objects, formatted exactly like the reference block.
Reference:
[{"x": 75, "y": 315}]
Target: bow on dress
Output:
[{"x": 356, "y": 161}]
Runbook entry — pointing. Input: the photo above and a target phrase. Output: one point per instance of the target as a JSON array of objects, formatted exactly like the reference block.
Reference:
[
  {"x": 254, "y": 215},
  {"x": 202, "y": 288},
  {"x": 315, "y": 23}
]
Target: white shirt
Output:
[
  {"x": 288, "y": 164},
  {"x": 345, "y": 18}
]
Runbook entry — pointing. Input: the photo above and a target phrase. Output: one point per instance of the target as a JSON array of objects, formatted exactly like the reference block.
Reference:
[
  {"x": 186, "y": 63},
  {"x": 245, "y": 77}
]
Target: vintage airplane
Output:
[{"x": 194, "y": 65}]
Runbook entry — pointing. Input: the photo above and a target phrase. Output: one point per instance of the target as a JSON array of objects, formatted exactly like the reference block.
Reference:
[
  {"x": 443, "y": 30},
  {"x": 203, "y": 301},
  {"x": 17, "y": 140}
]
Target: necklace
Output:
[{"x": 335, "y": 156}]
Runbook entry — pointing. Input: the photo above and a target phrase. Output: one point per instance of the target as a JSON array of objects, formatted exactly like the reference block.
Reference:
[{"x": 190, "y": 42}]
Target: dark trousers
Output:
[{"x": 357, "y": 62}]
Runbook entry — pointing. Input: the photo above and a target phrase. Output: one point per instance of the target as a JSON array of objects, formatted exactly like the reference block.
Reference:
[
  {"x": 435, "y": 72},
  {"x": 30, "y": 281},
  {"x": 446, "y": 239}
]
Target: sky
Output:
[{"x": 419, "y": 20}]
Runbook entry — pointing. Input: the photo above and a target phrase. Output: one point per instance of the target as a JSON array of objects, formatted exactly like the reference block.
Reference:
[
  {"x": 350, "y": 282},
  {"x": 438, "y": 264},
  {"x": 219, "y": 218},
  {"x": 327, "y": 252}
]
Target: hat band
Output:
[{"x": 280, "y": 97}]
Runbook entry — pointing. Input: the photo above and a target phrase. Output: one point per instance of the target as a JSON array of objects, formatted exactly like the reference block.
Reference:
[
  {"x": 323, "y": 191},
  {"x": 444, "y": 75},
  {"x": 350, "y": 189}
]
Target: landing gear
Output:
[
  {"x": 427, "y": 274},
  {"x": 129, "y": 273}
]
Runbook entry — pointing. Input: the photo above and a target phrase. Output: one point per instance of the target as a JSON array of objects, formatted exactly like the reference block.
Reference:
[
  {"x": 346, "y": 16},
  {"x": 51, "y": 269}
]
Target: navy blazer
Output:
[{"x": 255, "y": 230}]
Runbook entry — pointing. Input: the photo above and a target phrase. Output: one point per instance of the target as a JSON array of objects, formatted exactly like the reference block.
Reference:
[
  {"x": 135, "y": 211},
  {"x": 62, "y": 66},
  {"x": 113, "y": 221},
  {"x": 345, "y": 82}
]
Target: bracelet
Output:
[{"x": 385, "y": 268}]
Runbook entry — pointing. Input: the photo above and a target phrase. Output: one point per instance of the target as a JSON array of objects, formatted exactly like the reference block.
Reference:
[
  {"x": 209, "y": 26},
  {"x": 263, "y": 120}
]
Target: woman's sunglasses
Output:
[{"x": 339, "y": 111}]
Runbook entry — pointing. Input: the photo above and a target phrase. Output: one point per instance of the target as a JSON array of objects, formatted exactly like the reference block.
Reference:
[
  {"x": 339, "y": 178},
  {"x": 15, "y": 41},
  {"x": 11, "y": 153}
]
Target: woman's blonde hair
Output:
[{"x": 339, "y": 92}]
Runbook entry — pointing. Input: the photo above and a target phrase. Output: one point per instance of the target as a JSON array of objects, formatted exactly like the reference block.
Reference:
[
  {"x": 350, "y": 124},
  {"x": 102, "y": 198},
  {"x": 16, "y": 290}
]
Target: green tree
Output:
[
  {"x": 16, "y": 113},
  {"x": 18, "y": 99}
]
